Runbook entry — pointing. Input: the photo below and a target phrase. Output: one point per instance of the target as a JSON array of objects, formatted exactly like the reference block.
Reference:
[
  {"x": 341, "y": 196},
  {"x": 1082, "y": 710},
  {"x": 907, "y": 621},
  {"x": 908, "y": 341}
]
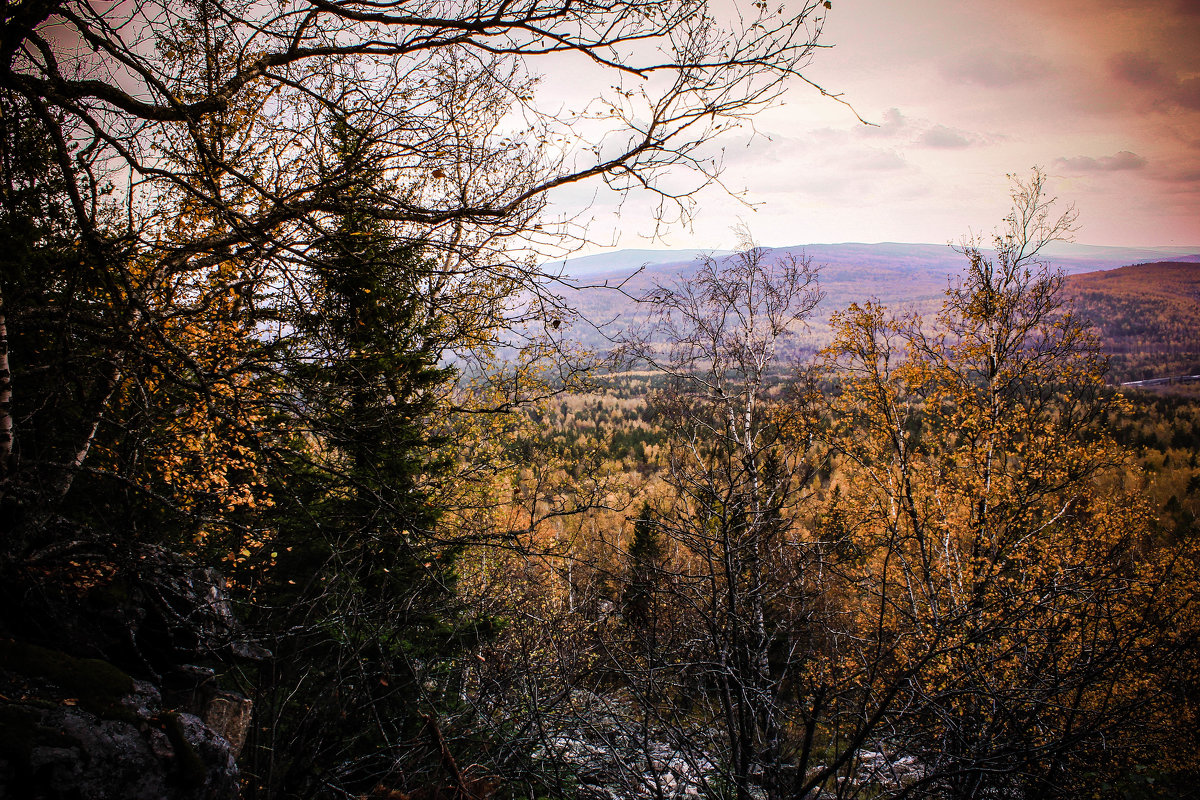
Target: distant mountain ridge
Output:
[
  {"x": 1071, "y": 257},
  {"x": 618, "y": 260},
  {"x": 908, "y": 277}
]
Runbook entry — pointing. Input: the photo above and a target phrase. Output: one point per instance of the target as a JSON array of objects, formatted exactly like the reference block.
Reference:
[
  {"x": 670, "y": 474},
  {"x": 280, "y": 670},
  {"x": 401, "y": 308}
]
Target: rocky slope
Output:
[{"x": 104, "y": 688}]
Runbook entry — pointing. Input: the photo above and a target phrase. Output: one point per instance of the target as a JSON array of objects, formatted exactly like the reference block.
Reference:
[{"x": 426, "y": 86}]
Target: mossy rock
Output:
[
  {"x": 190, "y": 767},
  {"x": 97, "y": 685},
  {"x": 20, "y": 732}
]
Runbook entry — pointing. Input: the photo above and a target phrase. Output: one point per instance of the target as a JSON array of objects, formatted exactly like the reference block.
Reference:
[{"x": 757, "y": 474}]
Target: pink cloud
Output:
[
  {"x": 1138, "y": 69},
  {"x": 1124, "y": 160},
  {"x": 943, "y": 138},
  {"x": 997, "y": 70},
  {"x": 1164, "y": 85}
]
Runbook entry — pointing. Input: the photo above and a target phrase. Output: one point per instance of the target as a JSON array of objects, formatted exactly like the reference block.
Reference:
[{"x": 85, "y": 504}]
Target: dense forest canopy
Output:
[
  {"x": 1146, "y": 315},
  {"x": 279, "y": 520}
]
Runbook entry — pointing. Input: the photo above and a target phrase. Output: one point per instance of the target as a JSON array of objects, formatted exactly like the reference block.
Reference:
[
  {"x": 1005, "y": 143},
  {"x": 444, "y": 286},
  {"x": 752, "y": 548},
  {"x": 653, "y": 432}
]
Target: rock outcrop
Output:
[
  {"x": 79, "y": 727},
  {"x": 107, "y": 685},
  {"x": 611, "y": 756}
]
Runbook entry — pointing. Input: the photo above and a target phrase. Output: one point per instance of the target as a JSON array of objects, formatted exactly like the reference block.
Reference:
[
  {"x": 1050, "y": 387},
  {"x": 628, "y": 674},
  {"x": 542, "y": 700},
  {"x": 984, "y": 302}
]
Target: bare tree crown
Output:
[{"x": 222, "y": 104}]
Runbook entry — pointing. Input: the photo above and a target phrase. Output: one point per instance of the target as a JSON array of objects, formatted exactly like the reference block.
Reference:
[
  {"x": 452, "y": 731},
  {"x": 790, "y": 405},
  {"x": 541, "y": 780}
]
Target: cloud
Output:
[
  {"x": 893, "y": 122},
  {"x": 1166, "y": 86},
  {"x": 943, "y": 138},
  {"x": 1187, "y": 93},
  {"x": 906, "y": 131},
  {"x": 1178, "y": 173},
  {"x": 997, "y": 70},
  {"x": 878, "y": 160},
  {"x": 1192, "y": 176},
  {"x": 1123, "y": 160},
  {"x": 1138, "y": 69}
]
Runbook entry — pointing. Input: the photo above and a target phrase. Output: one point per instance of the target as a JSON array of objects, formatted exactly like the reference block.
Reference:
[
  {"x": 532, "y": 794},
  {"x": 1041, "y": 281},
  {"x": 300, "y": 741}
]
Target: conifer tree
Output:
[
  {"x": 645, "y": 553},
  {"x": 361, "y": 577}
]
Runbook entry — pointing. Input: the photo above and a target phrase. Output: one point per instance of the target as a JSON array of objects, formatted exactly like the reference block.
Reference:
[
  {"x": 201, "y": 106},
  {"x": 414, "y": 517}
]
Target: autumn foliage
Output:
[
  {"x": 925, "y": 565},
  {"x": 1015, "y": 589}
]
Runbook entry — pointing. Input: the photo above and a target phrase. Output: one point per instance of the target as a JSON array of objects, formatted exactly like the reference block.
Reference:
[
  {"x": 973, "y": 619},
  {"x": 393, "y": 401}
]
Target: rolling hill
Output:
[
  {"x": 905, "y": 277},
  {"x": 1147, "y": 316}
]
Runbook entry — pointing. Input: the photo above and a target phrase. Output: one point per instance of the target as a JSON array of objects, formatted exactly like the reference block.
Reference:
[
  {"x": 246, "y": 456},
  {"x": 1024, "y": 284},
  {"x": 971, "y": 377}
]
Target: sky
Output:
[{"x": 1104, "y": 95}]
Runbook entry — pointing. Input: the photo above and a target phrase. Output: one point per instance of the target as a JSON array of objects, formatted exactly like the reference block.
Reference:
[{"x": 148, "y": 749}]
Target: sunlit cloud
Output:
[{"x": 1105, "y": 94}]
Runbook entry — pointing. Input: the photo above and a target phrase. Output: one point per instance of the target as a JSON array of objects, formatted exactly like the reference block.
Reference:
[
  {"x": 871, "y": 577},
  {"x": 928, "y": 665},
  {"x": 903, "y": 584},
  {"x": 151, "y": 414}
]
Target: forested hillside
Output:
[
  {"x": 1147, "y": 316},
  {"x": 780, "y": 515}
]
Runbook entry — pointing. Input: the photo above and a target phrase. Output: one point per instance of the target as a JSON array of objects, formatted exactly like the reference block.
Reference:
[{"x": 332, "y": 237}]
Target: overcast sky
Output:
[{"x": 1104, "y": 94}]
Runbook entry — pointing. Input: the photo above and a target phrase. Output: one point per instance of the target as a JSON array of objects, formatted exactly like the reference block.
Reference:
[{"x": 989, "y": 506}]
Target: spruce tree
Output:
[
  {"x": 645, "y": 556},
  {"x": 362, "y": 579}
]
